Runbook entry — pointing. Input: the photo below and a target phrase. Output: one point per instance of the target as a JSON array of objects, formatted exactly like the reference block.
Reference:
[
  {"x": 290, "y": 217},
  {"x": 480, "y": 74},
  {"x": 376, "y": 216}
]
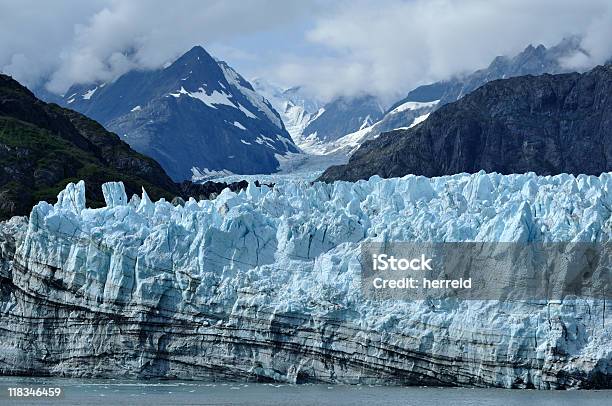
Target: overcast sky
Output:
[{"x": 384, "y": 47}]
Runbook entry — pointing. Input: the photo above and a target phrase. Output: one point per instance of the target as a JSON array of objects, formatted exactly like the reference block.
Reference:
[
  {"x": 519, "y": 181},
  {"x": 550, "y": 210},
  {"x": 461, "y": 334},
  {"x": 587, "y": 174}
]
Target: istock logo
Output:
[{"x": 384, "y": 262}]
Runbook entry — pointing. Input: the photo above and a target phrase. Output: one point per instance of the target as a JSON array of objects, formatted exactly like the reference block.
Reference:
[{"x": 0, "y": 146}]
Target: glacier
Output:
[{"x": 264, "y": 284}]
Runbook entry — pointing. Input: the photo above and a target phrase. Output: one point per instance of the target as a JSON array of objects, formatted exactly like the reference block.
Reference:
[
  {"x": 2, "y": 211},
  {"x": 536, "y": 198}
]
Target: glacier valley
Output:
[{"x": 264, "y": 285}]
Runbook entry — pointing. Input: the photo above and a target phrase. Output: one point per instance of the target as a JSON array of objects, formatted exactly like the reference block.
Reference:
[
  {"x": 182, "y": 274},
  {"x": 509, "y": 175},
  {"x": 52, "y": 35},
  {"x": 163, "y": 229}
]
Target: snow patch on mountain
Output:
[
  {"x": 87, "y": 95},
  {"x": 367, "y": 122},
  {"x": 210, "y": 100},
  {"x": 419, "y": 120},
  {"x": 237, "y": 124},
  {"x": 297, "y": 119},
  {"x": 248, "y": 112}
]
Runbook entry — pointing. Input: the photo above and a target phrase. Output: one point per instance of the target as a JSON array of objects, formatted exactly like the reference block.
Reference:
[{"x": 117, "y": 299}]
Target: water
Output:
[{"x": 128, "y": 392}]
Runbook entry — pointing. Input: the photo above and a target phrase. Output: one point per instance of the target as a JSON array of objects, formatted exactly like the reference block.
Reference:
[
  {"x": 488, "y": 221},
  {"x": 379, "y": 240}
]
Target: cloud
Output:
[
  {"x": 345, "y": 47},
  {"x": 388, "y": 47},
  {"x": 32, "y": 33},
  {"x": 67, "y": 42}
]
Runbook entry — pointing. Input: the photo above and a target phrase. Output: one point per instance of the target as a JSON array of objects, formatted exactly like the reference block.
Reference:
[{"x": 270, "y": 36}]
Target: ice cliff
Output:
[{"x": 265, "y": 284}]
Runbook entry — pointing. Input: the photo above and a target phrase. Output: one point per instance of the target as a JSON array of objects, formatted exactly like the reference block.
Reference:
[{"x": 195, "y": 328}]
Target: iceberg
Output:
[{"x": 264, "y": 284}]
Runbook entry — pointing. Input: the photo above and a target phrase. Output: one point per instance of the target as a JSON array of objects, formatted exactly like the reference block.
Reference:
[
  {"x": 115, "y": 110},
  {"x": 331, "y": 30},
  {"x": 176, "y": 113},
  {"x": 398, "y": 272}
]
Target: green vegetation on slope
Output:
[{"x": 43, "y": 147}]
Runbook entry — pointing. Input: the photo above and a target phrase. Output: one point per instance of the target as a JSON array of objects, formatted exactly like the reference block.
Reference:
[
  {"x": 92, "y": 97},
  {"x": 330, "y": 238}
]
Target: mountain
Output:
[
  {"x": 297, "y": 109},
  {"x": 313, "y": 133},
  {"x": 316, "y": 127},
  {"x": 339, "y": 117},
  {"x": 44, "y": 146},
  {"x": 405, "y": 115},
  {"x": 547, "y": 124},
  {"x": 420, "y": 102},
  {"x": 195, "y": 113}
]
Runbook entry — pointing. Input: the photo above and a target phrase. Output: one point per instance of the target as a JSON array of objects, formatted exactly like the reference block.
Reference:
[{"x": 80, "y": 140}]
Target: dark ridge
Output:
[
  {"x": 209, "y": 190},
  {"x": 547, "y": 124}
]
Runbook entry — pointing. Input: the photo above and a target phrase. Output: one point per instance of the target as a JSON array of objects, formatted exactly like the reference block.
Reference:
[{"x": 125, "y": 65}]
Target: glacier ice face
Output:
[
  {"x": 72, "y": 198},
  {"x": 265, "y": 284}
]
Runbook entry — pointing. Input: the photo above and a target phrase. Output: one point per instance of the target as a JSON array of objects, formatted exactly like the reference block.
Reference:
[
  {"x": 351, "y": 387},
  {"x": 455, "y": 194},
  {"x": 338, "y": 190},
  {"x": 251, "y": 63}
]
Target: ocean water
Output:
[{"x": 130, "y": 392}]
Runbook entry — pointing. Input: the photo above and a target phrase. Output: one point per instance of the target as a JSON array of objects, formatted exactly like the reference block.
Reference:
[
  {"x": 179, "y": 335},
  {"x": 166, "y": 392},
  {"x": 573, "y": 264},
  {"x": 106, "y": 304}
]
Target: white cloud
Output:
[
  {"x": 32, "y": 34},
  {"x": 387, "y": 47},
  {"x": 69, "y": 42},
  {"x": 345, "y": 47}
]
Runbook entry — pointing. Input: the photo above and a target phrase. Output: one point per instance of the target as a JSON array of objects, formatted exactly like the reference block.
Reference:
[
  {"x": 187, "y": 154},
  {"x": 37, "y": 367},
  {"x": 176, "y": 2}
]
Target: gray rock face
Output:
[{"x": 547, "y": 124}]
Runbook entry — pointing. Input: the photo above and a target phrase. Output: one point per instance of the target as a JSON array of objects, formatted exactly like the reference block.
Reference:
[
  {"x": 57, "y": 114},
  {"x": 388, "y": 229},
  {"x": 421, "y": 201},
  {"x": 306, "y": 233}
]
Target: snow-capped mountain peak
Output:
[{"x": 184, "y": 115}]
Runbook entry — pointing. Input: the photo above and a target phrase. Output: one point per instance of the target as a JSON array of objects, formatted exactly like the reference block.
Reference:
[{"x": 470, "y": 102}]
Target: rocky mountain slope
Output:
[
  {"x": 43, "y": 147},
  {"x": 316, "y": 127},
  {"x": 404, "y": 116},
  {"x": 195, "y": 113},
  {"x": 265, "y": 285},
  {"x": 420, "y": 102},
  {"x": 547, "y": 124}
]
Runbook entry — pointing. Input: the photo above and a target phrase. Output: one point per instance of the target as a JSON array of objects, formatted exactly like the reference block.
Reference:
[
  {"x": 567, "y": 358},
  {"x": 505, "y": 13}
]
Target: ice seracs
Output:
[{"x": 265, "y": 283}]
